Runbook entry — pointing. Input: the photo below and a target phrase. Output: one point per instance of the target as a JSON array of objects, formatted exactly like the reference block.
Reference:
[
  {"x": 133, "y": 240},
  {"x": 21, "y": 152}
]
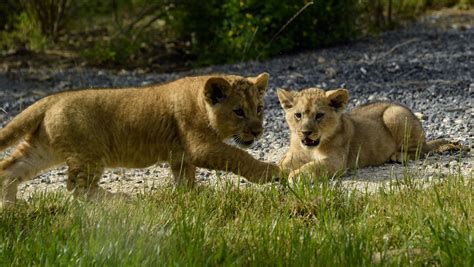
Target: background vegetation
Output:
[{"x": 143, "y": 32}]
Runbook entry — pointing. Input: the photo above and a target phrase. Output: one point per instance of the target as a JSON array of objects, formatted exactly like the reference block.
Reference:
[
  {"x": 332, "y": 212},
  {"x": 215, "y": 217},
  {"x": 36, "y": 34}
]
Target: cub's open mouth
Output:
[
  {"x": 239, "y": 141},
  {"x": 310, "y": 142},
  {"x": 246, "y": 143}
]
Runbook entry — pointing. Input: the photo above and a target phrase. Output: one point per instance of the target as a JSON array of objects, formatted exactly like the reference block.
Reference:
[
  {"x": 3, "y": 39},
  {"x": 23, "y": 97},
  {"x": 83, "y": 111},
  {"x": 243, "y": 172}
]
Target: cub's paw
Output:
[
  {"x": 294, "y": 177},
  {"x": 398, "y": 157},
  {"x": 280, "y": 175},
  {"x": 451, "y": 146},
  {"x": 273, "y": 174}
]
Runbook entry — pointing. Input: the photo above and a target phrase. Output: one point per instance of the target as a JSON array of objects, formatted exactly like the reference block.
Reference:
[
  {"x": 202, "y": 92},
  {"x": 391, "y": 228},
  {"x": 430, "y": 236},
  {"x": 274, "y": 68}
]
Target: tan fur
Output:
[
  {"x": 183, "y": 122},
  {"x": 369, "y": 135}
]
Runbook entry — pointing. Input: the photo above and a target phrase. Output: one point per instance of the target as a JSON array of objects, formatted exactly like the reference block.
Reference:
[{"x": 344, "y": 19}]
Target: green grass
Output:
[{"x": 321, "y": 225}]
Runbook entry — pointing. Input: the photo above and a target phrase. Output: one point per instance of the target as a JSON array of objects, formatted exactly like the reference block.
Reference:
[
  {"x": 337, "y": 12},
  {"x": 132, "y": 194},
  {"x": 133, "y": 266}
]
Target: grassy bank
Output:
[{"x": 319, "y": 225}]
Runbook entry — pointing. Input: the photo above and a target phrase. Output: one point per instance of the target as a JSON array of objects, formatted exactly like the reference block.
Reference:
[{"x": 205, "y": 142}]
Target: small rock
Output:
[
  {"x": 62, "y": 86},
  {"x": 40, "y": 92},
  {"x": 393, "y": 67},
  {"x": 420, "y": 116},
  {"x": 453, "y": 163},
  {"x": 432, "y": 89},
  {"x": 330, "y": 72},
  {"x": 321, "y": 60}
]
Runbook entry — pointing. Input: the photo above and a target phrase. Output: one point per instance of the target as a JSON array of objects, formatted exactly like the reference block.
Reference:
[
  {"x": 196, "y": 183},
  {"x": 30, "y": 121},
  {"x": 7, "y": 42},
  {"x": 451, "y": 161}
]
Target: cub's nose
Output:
[
  {"x": 306, "y": 133},
  {"x": 256, "y": 132},
  {"x": 255, "y": 128}
]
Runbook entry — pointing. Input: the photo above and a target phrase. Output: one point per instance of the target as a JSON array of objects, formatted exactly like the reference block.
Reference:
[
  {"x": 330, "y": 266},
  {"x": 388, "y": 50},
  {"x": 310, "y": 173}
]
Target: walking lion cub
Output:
[
  {"x": 183, "y": 122},
  {"x": 325, "y": 139}
]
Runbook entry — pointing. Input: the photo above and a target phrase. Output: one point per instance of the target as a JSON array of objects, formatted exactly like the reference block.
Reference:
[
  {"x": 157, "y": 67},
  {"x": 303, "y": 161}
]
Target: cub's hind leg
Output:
[
  {"x": 83, "y": 179},
  {"x": 406, "y": 131},
  {"x": 27, "y": 160}
]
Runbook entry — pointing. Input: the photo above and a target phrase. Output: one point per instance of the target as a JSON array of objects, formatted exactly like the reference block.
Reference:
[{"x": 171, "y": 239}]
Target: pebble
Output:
[{"x": 420, "y": 116}]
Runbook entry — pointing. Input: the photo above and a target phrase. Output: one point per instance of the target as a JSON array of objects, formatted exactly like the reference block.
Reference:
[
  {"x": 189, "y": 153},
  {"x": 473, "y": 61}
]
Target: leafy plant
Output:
[
  {"x": 117, "y": 32},
  {"x": 25, "y": 33},
  {"x": 117, "y": 50},
  {"x": 226, "y": 31},
  {"x": 50, "y": 16}
]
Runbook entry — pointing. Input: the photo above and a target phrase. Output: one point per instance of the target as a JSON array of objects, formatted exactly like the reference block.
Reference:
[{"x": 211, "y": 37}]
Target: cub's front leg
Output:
[
  {"x": 293, "y": 161},
  {"x": 220, "y": 156},
  {"x": 317, "y": 168},
  {"x": 184, "y": 173}
]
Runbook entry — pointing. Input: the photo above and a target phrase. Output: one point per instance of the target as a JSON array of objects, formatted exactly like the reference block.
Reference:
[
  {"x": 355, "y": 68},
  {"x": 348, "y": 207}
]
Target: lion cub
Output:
[
  {"x": 183, "y": 122},
  {"x": 325, "y": 139}
]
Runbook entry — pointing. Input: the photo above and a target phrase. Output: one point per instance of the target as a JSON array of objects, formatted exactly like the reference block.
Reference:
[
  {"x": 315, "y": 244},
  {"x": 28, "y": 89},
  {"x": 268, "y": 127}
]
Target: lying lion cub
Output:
[
  {"x": 325, "y": 139},
  {"x": 183, "y": 122}
]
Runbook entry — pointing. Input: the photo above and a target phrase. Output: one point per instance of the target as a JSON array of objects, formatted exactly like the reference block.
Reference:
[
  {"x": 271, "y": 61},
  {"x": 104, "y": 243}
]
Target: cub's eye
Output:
[
  {"x": 259, "y": 109},
  {"x": 319, "y": 116},
  {"x": 239, "y": 112},
  {"x": 298, "y": 116}
]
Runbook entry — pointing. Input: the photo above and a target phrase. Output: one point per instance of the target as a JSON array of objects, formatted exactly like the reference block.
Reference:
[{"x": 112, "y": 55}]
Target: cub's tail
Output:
[
  {"x": 441, "y": 145},
  {"x": 25, "y": 122}
]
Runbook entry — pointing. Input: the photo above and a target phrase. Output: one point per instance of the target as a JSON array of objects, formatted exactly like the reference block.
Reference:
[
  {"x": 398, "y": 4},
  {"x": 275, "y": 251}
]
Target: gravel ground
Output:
[{"x": 425, "y": 67}]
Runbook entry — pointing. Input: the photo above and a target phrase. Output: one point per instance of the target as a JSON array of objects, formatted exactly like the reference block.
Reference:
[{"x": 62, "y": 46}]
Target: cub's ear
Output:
[
  {"x": 338, "y": 98},
  {"x": 286, "y": 98},
  {"x": 216, "y": 90},
  {"x": 261, "y": 82}
]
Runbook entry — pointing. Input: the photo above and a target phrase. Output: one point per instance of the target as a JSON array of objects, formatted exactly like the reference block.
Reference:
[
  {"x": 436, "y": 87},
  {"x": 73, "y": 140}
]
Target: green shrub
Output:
[
  {"x": 8, "y": 10},
  {"x": 24, "y": 33},
  {"x": 117, "y": 50},
  {"x": 33, "y": 24},
  {"x": 50, "y": 16},
  {"x": 227, "y": 31},
  {"x": 214, "y": 31}
]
